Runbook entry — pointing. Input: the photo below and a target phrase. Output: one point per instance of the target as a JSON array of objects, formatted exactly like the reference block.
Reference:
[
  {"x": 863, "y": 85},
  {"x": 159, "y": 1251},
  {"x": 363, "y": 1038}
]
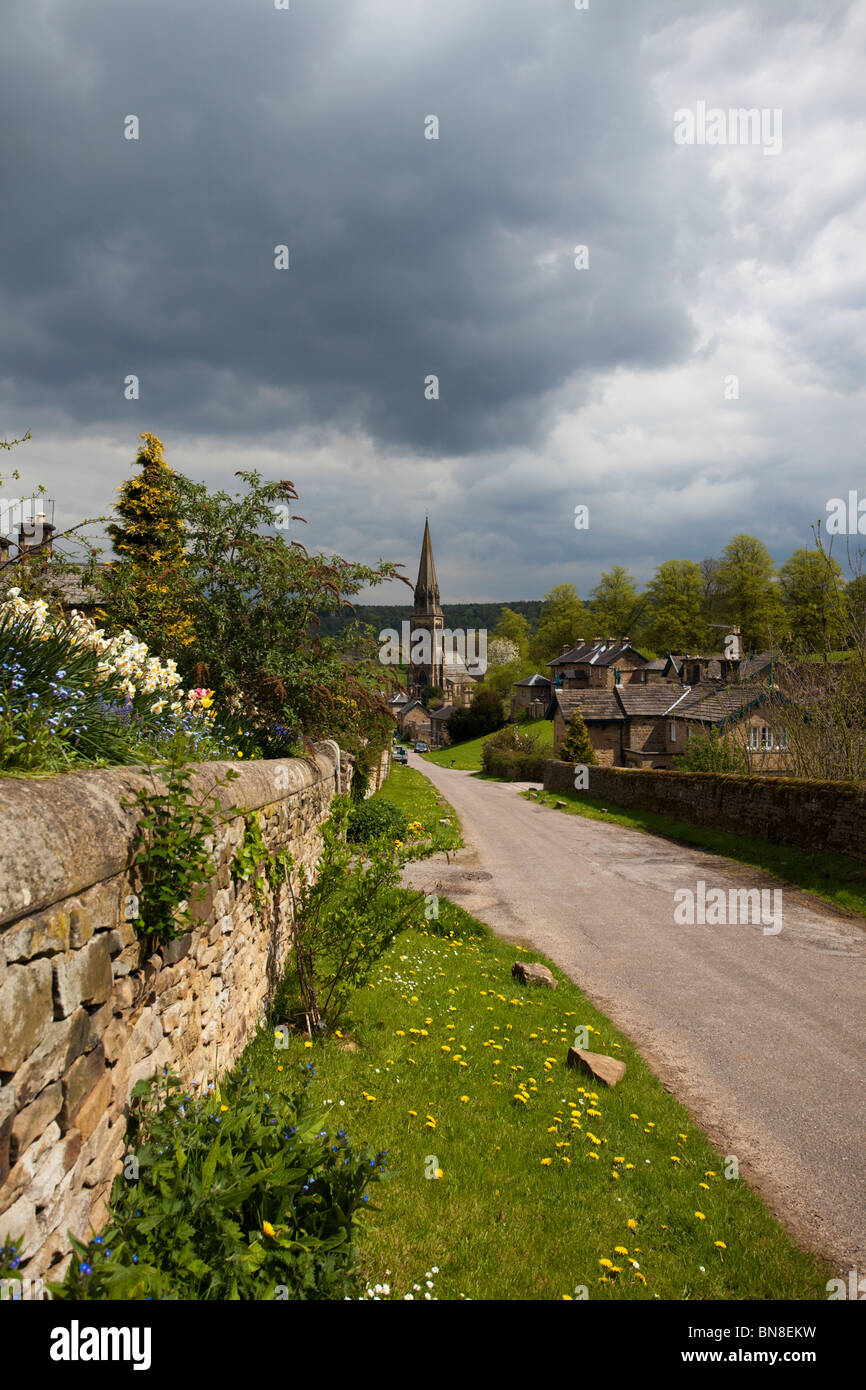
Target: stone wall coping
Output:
[{"x": 61, "y": 835}]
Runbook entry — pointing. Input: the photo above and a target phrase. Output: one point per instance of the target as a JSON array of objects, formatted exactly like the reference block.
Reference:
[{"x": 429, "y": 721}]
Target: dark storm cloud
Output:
[{"x": 408, "y": 257}]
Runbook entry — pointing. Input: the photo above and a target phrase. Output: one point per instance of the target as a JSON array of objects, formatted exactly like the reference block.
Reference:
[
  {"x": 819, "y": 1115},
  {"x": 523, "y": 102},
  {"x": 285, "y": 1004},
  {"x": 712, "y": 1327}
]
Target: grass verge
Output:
[
  {"x": 549, "y": 1185},
  {"x": 467, "y": 756},
  {"x": 833, "y": 877},
  {"x": 419, "y": 800}
]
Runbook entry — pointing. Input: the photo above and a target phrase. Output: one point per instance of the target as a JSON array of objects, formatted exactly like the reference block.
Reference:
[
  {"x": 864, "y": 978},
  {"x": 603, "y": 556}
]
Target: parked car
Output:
[
  {"x": 400, "y": 755},
  {"x": 421, "y": 747}
]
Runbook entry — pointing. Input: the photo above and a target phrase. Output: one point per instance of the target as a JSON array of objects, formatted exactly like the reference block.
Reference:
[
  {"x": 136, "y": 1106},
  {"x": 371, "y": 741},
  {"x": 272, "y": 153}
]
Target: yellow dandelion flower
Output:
[
  {"x": 700, "y": 1216},
  {"x": 268, "y": 1228},
  {"x": 545, "y": 1162},
  {"x": 721, "y": 1244}
]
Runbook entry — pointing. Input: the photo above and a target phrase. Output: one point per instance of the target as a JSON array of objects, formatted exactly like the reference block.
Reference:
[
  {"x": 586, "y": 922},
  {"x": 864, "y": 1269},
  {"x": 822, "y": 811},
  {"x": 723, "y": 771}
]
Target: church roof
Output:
[{"x": 427, "y": 589}]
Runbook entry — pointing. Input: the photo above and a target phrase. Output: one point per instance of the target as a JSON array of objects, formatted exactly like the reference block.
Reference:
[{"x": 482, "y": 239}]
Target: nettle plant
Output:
[{"x": 231, "y": 1194}]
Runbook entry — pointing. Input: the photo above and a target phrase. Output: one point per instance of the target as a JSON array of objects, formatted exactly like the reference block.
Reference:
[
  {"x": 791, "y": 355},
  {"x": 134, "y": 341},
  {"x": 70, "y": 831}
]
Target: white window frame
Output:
[
  {"x": 754, "y": 738},
  {"x": 672, "y": 730}
]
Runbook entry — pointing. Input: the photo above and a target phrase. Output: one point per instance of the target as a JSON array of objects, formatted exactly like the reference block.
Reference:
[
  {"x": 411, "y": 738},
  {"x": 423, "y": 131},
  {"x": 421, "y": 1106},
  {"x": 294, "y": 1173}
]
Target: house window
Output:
[
  {"x": 782, "y": 738},
  {"x": 754, "y": 737},
  {"x": 766, "y": 737},
  {"x": 672, "y": 730},
  {"x": 617, "y": 677}
]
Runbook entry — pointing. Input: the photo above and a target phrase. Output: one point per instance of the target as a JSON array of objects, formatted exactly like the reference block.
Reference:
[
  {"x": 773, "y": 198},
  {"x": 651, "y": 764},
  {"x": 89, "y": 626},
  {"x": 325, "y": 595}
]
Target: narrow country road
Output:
[{"x": 762, "y": 1036}]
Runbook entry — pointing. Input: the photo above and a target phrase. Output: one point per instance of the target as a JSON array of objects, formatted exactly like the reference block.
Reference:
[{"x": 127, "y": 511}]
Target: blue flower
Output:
[{"x": 85, "y": 1268}]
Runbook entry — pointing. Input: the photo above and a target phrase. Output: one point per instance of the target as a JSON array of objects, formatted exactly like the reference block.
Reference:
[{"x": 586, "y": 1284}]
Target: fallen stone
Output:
[
  {"x": 610, "y": 1070},
  {"x": 532, "y": 973}
]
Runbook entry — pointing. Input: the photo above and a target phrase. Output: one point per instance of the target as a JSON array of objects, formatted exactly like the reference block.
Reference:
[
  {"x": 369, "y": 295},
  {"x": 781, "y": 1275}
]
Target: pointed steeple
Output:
[{"x": 427, "y": 589}]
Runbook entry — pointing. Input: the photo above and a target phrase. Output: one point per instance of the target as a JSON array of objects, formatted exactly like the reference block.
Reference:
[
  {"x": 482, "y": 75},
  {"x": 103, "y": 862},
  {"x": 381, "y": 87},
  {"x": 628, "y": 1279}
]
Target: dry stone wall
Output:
[
  {"x": 87, "y": 1010},
  {"x": 783, "y": 810}
]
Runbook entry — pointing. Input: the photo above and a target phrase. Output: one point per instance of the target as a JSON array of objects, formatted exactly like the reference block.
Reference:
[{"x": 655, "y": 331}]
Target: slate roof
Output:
[
  {"x": 713, "y": 705},
  {"x": 596, "y": 706},
  {"x": 649, "y": 699},
  {"x": 442, "y": 714},
  {"x": 755, "y": 665},
  {"x": 596, "y": 654},
  {"x": 534, "y": 680}
]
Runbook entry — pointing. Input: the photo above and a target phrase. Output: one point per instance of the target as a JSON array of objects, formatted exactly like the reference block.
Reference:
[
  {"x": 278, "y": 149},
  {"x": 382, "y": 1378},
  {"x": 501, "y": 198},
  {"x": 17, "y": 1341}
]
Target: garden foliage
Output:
[{"x": 231, "y": 1195}]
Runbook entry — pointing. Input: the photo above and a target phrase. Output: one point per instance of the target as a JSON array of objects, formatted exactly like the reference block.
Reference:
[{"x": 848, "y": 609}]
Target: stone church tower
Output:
[{"x": 427, "y": 615}]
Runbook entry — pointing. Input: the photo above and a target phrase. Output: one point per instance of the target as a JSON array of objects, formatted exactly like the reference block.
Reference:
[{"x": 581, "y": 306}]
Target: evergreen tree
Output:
[
  {"x": 146, "y": 585},
  {"x": 576, "y": 747}
]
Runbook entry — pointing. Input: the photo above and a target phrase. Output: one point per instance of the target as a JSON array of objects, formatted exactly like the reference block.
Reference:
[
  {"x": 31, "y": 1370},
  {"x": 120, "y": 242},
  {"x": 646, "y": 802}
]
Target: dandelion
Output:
[
  {"x": 720, "y": 1244},
  {"x": 700, "y": 1216}
]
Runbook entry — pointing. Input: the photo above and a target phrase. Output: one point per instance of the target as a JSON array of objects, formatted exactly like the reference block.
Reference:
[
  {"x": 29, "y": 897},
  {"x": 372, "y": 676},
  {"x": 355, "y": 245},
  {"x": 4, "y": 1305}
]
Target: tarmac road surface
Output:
[{"x": 760, "y": 1034}]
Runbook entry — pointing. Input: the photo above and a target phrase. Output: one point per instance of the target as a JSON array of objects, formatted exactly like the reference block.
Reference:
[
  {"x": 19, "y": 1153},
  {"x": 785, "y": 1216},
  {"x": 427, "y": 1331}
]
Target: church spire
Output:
[{"x": 427, "y": 589}]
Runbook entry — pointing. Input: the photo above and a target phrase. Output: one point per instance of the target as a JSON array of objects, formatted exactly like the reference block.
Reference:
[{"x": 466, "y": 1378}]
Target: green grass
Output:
[
  {"x": 419, "y": 800},
  {"x": 467, "y": 756},
  {"x": 534, "y": 1193},
  {"x": 834, "y": 877}
]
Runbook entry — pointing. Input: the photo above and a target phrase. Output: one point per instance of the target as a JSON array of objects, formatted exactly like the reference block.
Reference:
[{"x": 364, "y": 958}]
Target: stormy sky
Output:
[{"x": 701, "y": 375}]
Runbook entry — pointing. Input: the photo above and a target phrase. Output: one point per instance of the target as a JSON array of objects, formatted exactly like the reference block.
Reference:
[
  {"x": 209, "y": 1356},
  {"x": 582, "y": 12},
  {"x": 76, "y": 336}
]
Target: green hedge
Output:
[{"x": 510, "y": 766}]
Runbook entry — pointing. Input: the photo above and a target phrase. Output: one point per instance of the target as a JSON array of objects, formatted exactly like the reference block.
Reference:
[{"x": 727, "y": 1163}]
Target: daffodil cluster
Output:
[{"x": 124, "y": 666}]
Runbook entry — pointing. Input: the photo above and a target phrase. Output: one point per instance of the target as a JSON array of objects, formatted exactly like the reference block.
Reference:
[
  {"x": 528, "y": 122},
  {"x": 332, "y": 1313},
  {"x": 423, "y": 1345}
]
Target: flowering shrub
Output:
[
  {"x": 70, "y": 695},
  {"x": 237, "y": 1196}
]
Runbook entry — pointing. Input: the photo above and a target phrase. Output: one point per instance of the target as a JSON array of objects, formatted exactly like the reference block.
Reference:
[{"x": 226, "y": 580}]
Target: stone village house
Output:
[{"x": 636, "y": 724}]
